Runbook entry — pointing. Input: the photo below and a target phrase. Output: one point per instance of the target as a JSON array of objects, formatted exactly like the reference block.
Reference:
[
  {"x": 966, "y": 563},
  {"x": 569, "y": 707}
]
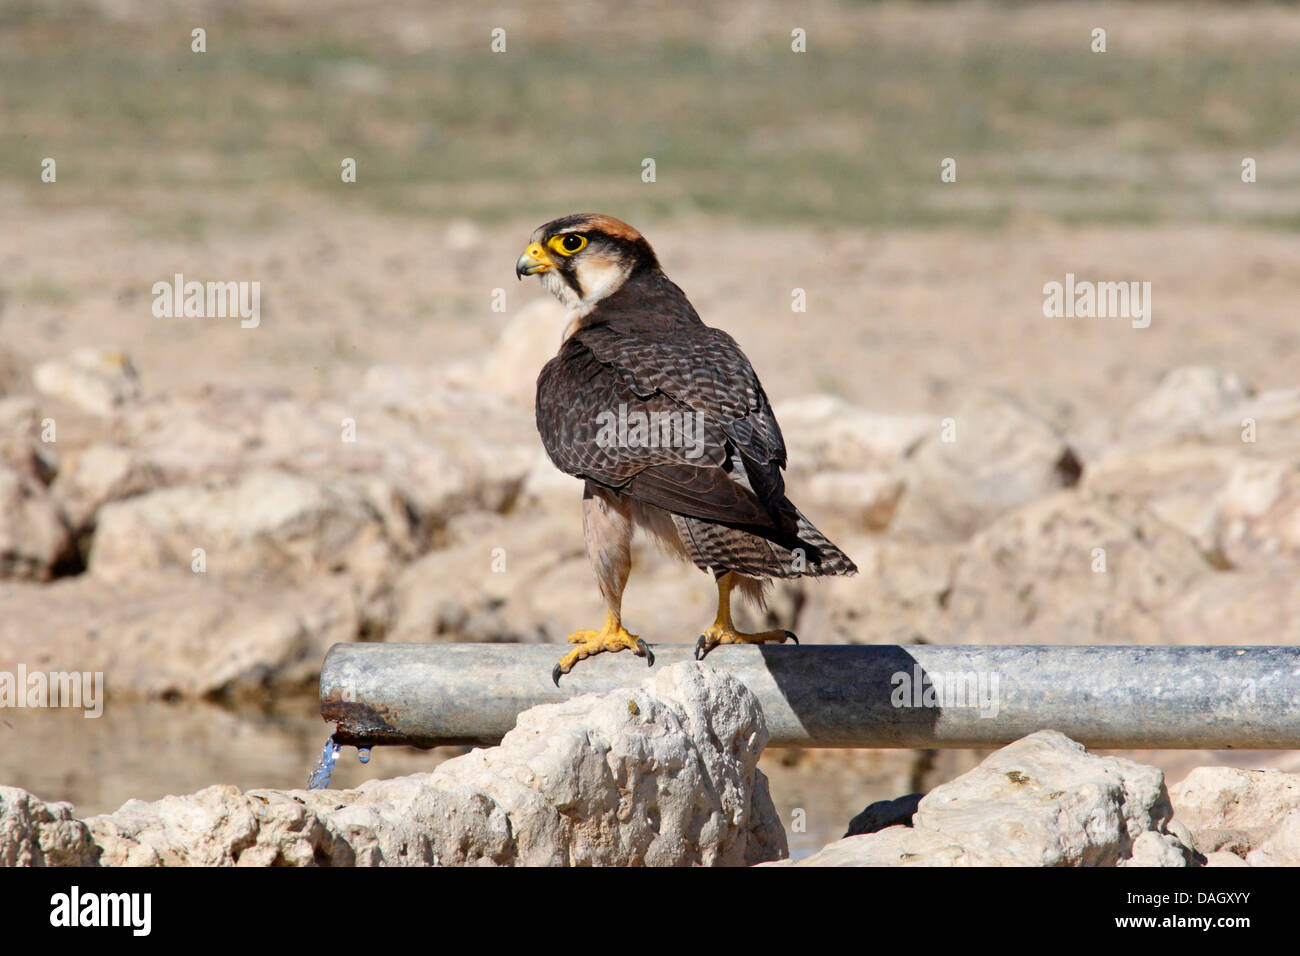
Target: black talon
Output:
[
  {"x": 790, "y": 634},
  {"x": 555, "y": 674},
  {"x": 644, "y": 648},
  {"x": 700, "y": 650}
]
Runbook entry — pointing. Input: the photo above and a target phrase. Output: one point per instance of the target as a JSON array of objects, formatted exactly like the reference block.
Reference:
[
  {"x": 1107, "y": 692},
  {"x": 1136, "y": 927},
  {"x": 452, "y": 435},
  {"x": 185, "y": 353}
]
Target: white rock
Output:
[
  {"x": 1001, "y": 457},
  {"x": 1187, "y": 397},
  {"x": 33, "y": 537},
  {"x": 94, "y": 476},
  {"x": 35, "y": 833},
  {"x": 1282, "y": 846},
  {"x": 1257, "y": 514},
  {"x": 1045, "y": 801},
  {"x": 894, "y": 846},
  {"x": 1070, "y": 568},
  {"x": 661, "y": 775},
  {"x": 407, "y": 821},
  {"x": 1232, "y": 809},
  {"x": 270, "y": 523},
  {"x": 825, "y": 433},
  {"x": 96, "y": 380},
  {"x": 1157, "y": 849},
  {"x": 528, "y": 342},
  {"x": 1041, "y": 801},
  {"x": 15, "y": 376},
  {"x": 897, "y": 595},
  {"x": 868, "y": 498},
  {"x": 179, "y": 633},
  {"x": 665, "y": 775}
]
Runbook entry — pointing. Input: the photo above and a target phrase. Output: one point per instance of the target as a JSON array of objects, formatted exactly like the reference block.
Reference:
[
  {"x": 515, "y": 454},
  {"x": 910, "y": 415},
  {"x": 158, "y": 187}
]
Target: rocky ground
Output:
[
  {"x": 195, "y": 522},
  {"x": 666, "y": 775},
  {"x": 210, "y": 543},
  {"x": 214, "y": 542}
]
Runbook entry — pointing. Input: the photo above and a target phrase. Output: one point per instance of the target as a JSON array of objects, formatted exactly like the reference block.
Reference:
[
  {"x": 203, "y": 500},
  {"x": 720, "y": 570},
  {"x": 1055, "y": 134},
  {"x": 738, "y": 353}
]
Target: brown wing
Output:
[{"x": 649, "y": 353}]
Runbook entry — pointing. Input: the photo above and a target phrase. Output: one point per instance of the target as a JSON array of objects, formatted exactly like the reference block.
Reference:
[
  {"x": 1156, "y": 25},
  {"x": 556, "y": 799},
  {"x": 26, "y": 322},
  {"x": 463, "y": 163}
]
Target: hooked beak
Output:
[{"x": 533, "y": 261}]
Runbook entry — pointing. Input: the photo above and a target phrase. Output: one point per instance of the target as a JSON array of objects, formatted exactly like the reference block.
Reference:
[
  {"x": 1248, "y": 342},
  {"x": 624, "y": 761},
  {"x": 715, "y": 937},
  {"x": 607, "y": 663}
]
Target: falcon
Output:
[{"x": 666, "y": 422}]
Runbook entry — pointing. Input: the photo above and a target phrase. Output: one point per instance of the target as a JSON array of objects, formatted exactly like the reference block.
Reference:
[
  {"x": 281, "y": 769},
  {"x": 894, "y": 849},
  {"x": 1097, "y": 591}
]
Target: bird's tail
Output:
[
  {"x": 798, "y": 550},
  {"x": 811, "y": 555},
  {"x": 815, "y": 555}
]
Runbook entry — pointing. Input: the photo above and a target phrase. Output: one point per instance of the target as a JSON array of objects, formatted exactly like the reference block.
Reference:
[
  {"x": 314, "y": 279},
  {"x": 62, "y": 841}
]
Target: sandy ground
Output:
[{"x": 895, "y": 321}]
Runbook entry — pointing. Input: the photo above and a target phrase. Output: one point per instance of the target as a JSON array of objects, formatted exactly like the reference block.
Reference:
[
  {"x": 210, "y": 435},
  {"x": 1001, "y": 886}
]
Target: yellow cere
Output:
[{"x": 567, "y": 244}]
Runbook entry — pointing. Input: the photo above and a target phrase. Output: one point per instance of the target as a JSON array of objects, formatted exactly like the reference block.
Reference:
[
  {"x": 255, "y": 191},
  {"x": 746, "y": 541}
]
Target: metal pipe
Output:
[{"x": 913, "y": 696}]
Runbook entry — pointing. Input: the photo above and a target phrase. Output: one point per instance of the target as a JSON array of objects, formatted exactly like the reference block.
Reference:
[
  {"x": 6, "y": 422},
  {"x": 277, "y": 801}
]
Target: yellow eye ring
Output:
[{"x": 568, "y": 244}]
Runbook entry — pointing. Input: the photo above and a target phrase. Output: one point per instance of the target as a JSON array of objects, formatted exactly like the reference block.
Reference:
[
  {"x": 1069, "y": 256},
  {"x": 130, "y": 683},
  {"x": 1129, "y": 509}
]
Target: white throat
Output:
[{"x": 598, "y": 278}]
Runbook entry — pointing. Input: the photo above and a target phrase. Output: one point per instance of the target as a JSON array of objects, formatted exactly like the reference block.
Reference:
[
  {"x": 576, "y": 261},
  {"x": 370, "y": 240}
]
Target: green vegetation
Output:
[{"x": 851, "y": 134}]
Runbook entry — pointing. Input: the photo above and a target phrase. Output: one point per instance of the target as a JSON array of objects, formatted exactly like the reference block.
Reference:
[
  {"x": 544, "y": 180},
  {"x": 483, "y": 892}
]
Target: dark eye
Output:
[{"x": 573, "y": 242}]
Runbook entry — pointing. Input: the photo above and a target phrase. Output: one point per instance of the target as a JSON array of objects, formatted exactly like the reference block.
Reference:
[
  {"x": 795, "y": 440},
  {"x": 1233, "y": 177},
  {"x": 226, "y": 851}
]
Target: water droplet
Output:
[
  {"x": 364, "y": 754},
  {"x": 324, "y": 769}
]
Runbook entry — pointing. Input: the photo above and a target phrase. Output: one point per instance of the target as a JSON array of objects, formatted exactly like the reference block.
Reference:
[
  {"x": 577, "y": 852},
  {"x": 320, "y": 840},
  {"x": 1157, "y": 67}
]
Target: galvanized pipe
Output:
[{"x": 847, "y": 695}]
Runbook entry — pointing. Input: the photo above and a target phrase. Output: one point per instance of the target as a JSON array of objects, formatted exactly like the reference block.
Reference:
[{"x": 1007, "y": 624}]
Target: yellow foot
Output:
[
  {"x": 717, "y": 634},
  {"x": 612, "y": 637}
]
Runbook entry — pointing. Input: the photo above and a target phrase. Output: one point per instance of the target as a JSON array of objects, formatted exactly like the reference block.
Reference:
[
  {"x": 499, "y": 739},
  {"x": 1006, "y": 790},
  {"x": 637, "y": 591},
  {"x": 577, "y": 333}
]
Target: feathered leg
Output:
[{"x": 607, "y": 525}]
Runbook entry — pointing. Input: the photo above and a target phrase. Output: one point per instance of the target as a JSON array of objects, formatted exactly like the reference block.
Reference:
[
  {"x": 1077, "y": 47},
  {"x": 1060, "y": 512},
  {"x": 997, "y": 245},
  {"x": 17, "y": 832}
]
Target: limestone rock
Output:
[
  {"x": 1178, "y": 484},
  {"x": 1000, "y": 457},
  {"x": 96, "y": 380},
  {"x": 179, "y": 633},
  {"x": 1257, "y": 514},
  {"x": 33, "y": 536},
  {"x": 660, "y": 775},
  {"x": 102, "y": 473},
  {"x": 35, "y": 833},
  {"x": 1259, "y": 607},
  {"x": 1040, "y": 801},
  {"x": 824, "y": 433},
  {"x": 898, "y": 595},
  {"x": 405, "y": 821},
  {"x": 895, "y": 846},
  {"x": 1045, "y": 801},
  {"x": 1202, "y": 406},
  {"x": 15, "y": 376},
  {"x": 869, "y": 498},
  {"x": 530, "y": 581},
  {"x": 19, "y": 430},
  {"x": 269, "y": 523},
  {"x": 1234, "y": 810},
  {"x": 443, "y": 450},
  {"x": 1186, "y": 398},
  {"x": 1282, "y": 846},
  {"x": 665, "y": 775},
  {"x": 1157, "y": 849},
  {"x": 530, "y": 340},
  {"x": 1072, "y": 568}
]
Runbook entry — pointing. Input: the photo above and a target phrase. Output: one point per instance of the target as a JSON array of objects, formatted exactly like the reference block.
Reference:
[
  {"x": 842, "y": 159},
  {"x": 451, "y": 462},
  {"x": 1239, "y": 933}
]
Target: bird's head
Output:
[{"x": 584, "y": 258}]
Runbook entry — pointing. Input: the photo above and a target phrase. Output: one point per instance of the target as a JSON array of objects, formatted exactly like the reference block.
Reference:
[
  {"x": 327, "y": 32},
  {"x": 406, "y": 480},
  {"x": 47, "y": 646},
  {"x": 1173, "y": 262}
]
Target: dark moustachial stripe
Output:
[{"x": 571, "y": 280}]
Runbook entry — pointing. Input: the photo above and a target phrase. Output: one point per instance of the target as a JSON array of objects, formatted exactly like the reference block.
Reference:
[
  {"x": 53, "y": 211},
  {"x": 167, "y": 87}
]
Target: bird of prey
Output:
[{"x": 665, "y": 420}]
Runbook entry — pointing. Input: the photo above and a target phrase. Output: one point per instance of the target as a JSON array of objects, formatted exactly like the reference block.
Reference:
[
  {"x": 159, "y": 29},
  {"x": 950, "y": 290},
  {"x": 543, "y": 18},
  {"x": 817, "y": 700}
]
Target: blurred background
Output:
[{"x": 775, "y": 170}]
